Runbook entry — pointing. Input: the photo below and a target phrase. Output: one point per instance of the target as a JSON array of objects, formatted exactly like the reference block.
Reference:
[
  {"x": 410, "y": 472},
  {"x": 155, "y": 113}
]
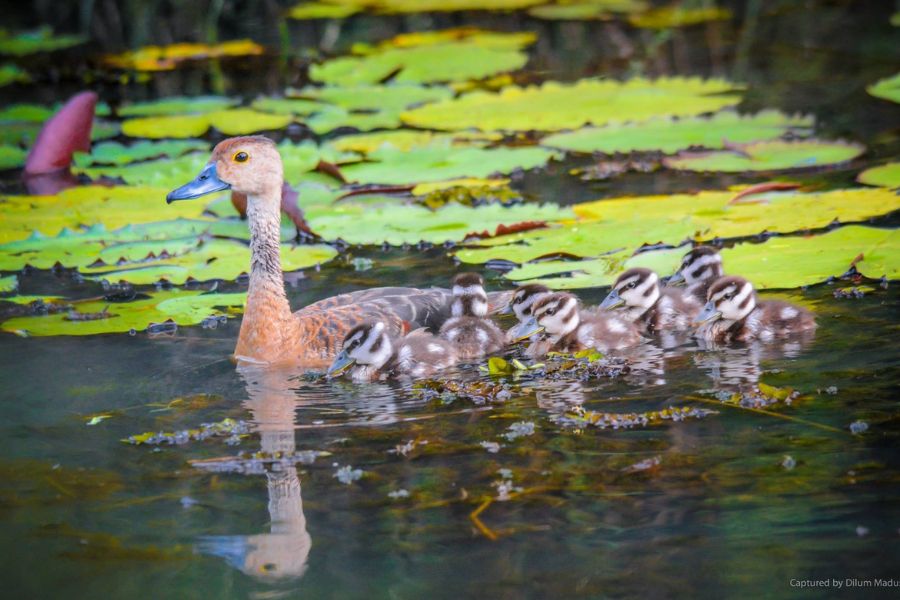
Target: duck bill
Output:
[
  {"x": 709, "y": 313},
  {"x": 206, "y": 182},
  {"x": 341, "y": 363},
  {"x": 612, "y": 300},
  {"x": 676, "y": 279},
  {"x": 526, "y": 330}
]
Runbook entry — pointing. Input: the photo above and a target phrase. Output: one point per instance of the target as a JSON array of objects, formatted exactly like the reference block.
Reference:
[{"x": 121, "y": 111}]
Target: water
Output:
[{"x": 739, "y": 502}]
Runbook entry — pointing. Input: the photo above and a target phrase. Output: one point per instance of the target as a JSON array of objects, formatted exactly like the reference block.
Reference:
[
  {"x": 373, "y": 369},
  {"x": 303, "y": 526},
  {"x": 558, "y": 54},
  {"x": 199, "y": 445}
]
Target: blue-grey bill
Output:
[
  {"x": 612, "y": 300},
  {"x": 676, "y": 279},
  {"x": 341, "y": 363},
  {"x": 709, "y": 313},
  {"x": 525, "y": 330},
  {"x": 206, "y": 182}
]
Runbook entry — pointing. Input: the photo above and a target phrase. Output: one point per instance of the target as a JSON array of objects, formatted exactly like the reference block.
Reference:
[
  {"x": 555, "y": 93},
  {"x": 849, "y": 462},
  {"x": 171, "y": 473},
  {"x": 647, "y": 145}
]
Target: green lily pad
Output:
[
  {"x": 587, "y": 9},
  {"x": 399, "y": 223},
  {"x": 10, "y": 73},
  {"x": 165, "y": 173},
  {"x": 181, "y": 306},
  {"x": 768, "y": 156},
  {"x": 30, "y": 113},
  {"x": 337, "y": 9},
  {"x": 335, "y": 117},
  {"x": 236, "y": 121},
  {"x": 114, "y": 153},
  {"x": 886, "y": 89},
  {"x": 429, "y": 58},
  {"x": 288, "y": 106},
  {"x": 316, "y": 10},
  {"x": 884, "y": 176},
  {"x": 671, "y": 135},
  {"x": 39, "y": 40},
  {"x": 554, "y": 106},
  {"x": 176, "y": 105},
  {"x": 437, "y": 162},
  {"x": 667, "y": 17},
  {"x": 208, "y": 260},
  {"x": 407, "y": 139},
  {"x": 8, "y": 284},
  {"x": 12, "y": 157}
]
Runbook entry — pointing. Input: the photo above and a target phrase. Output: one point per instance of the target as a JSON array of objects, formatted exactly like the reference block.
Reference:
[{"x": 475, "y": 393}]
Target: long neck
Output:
[{"x": 268, "y": 322}]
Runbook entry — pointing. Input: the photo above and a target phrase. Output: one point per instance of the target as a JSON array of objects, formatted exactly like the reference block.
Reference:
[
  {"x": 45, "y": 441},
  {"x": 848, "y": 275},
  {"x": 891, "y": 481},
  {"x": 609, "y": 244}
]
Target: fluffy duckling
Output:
[
  {"x": 699, "y": 269},
  {"x": 647, "y": 304},
  {"x": 733, "y": 313},
  {"x": 523, "y": 300},
  {"x": 370, "y": 354},
  {"x": 469, "y": 329},
  {"x": 565, "y": 328}
]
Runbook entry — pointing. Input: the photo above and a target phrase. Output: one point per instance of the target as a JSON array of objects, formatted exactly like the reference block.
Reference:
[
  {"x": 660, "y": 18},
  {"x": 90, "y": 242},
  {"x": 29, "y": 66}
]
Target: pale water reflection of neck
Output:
[{"x": 282, "y": 553}]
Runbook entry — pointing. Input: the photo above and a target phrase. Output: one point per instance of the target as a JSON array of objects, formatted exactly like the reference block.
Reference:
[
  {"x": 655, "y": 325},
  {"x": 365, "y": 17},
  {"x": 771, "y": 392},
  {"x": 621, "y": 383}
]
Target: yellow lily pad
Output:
[
  {"x": 166, "y": 58},
  {"x": 175, "y": 105},
  {"x": 676, "y": 15},
  {"x": 554, "y": 106},
  {"x": 586, "y": 9},
  {"x": 235, "y": 121}
]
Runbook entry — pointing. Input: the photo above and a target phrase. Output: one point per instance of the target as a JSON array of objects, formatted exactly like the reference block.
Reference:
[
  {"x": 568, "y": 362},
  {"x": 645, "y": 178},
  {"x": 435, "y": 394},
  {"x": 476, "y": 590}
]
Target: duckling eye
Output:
[
  {"x": 549, "y": 312},
  {"x": 527, "y": 311},
  {"x": 240, "y": 157},
  {"x": 630, "y": 285}
]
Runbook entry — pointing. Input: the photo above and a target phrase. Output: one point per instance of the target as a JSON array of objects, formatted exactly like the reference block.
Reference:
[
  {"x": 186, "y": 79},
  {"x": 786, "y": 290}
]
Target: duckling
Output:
[
  {"x": 469, "y": 329},
  {"x": 651, "y": 307},
  {"x": 566, "y": 328},
  {"x": 733, "y": 313},
  {"x": 523, "y": 300},
  {"x": 370, "y": 354},
  {"x": 699, "y": 269}
]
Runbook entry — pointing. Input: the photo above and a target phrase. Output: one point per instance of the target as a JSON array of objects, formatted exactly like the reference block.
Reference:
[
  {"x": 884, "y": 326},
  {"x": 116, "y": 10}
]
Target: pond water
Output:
[{"x": 404, "y": 495}]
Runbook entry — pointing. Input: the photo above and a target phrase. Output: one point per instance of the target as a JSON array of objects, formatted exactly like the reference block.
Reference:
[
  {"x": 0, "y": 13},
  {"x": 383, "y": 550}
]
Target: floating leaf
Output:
[
  {"x": 767, "y": 156},
  {"x": 39, "y": 40},
  {"x": 175, "y": 105},
  {"x": 163, "y": 173},
  {"x": 581, "y": 10},
  {"x": 390, "y": 165},
  {"x": 10, "y": 73},
  {"x": 884, "y": 176},
  {"x": 554, "y": 106},
  {"x": 165, "y": 58},
  {"x": 667, "y": 17},
  {"x": 235, "y": 121},
  {"x": 317, "y": 10},
  {"x": 288, "y": 106},
  {"x": 430, "y": 59},
  {"x": 406, "y": 140},
  {"x": 671, "y": 135},
  {"x": 8, "y": 284},
  {"x": 114, "y": 153},
  {"x": 336, "y": 9},
  {"x": 12, "y": 157},
  {"x": 887, "y": 88},
  {"x": 31, "y": 113}
]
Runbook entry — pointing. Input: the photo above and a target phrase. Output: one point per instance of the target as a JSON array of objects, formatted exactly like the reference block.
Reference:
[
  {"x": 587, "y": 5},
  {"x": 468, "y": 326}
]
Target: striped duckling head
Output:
[
  {"x": 524, "y": 298},
  {"x": 636, "y": 289},
  {"x": 702, "y": 264},
  {"x": 469, "y": 297},
  {"x": 555, "y": 314},
  {"x": 367, "y": 345},
  {"x": 729, "y": 299}
]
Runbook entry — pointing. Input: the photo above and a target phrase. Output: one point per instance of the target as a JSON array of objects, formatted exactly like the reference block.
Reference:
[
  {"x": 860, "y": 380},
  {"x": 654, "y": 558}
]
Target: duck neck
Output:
[{"x": 267, "y": 317}]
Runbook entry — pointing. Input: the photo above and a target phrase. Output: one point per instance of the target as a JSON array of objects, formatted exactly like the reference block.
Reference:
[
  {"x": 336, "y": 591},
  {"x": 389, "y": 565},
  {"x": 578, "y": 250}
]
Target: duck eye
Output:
[{"x": 241, "y": 157}]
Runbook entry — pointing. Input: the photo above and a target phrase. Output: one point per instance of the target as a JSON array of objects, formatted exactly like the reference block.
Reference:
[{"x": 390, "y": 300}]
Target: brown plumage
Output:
[
  {"x": 471, "y": 332},
  {"x": 270, "y": 333}
]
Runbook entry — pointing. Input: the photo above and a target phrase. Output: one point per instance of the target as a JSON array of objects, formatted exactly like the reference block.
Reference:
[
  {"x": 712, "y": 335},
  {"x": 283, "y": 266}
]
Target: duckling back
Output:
[{"x": 420, "y": 354}]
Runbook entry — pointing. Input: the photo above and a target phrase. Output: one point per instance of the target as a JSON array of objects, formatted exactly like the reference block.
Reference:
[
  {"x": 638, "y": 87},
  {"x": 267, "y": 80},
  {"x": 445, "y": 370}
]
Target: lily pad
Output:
[
  {"x": 288, "y": 106},
  {"x": 884, "y": 176},
  {"x": 587, "y": 9},
  {"x": 29, "y": 113},
  {"x": 114, "y": 153},
  {"x": 317, "y": 10},
  {"x": 39, "y": 40},
  {"x": 12, "y": 157},
  {"x": 336, "y": 9},
  {"x": 181, "y": 306},
  {"x": 176, "y": 105},
  {"x": 554, "y": 106},
  {"x": 235, "y": 121},
  {"x": 768, "y": 156},
  {"x": 886, "y": 89},
  {"x": 675, "y": 15},
  {"x": 166, "y": 58},
  {"x": 435, "y": 59},
  {"x": 10, "y": 73},
  {"x": 441, "y": 161},
  {"x": 671, "y": 135},
  {"x": 164, "y": 173},
  {"x": 8, "y": 284}
]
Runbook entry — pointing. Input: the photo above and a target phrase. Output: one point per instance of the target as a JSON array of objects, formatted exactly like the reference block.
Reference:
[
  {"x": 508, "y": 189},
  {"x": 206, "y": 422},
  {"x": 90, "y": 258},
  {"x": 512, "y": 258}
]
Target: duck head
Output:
[
  {"x": 729, "y": 299},
  {"x": 469, "y": 298},
  {"x": 250, "y": 165},
  {"x": 524, "y": 298},
  {"x": 554, "y": 314},
  {"x": 703, "y": 263},
  {"x": 637, "y": 289},
  {"x": 367, "y": 345}
]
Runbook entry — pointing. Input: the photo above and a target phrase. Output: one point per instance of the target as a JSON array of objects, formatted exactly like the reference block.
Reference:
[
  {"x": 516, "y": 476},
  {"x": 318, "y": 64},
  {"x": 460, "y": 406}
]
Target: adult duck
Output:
[{"x": 310, "y": 337}]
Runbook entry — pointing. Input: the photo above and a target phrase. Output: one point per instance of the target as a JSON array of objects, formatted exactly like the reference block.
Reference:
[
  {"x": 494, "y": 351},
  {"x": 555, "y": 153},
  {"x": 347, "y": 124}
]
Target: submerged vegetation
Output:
[{"x": 557, "y": 142}]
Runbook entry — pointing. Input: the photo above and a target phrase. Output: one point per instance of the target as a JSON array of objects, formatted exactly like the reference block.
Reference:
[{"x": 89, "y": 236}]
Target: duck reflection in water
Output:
[{"x": 281, "y": 554}]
